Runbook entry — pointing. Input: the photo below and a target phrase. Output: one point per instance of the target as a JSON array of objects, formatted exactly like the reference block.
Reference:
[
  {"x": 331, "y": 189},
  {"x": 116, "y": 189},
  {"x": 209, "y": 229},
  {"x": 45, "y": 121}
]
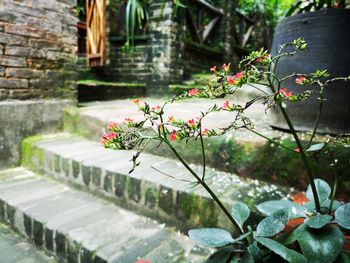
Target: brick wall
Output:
[{"x": 37, "y": 48}]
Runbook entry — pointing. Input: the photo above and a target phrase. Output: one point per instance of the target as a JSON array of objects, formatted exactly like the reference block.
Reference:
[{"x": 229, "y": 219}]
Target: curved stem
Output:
[
  {"x": 301, "y": 148},
  {"x": 206, "y": 187},
  {"x": 203, "y": 151}
]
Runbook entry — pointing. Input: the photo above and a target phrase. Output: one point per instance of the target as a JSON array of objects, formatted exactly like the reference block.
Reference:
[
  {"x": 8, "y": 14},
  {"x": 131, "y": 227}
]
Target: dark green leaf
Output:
[
  {"x": 269, "y": 207},
  {"x": 284, "y": 252},
  {"x": 211, "y": 237},
  {"x": 291, "y": 236},
  {"x": 240, "y": 212},
  {"x": 342, "y": 258},
  {"x": 273, "y": 224},
  {"x": 322, "y": 188},
  {"x": 255, "y": 251},
  {"x": 222, "y": 255},
  {"x": 318, "y": 221},
  {"x": 321, "y": 245},
  {"x": 316, "y": 147},
  {"x": 342, "y": 216}
]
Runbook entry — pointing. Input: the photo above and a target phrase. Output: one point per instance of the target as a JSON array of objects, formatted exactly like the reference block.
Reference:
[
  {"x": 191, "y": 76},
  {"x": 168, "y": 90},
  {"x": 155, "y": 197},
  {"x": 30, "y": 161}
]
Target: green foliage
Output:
[
  {"x": 318, "y": 221},
  {"x": 322, "y": 188},
  {"x": 303, "y": 6},
  {"x": 211, "y": 237},
  {"x": 269, "y": 207},
  {"x": 273, "y": 224},
  {"x": 342, "y": 216},
  {"x": 321, "y": 246},
  {"x": 240, "y": 212}
]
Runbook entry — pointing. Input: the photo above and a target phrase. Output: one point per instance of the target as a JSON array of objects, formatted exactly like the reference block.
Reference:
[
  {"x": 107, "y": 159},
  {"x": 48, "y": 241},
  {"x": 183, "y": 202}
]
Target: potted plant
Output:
[
  {"x": 325, "y": 26},
  {"x": 320, "y": 234}
]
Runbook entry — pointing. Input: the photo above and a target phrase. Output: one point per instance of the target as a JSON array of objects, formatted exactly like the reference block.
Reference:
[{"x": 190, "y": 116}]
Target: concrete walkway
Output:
[{"x": 14, "y": 248}]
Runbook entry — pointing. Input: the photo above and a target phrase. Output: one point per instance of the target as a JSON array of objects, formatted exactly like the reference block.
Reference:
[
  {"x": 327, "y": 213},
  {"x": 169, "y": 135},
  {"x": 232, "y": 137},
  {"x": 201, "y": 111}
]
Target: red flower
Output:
[
  {"x": 193, "y": 92},
  {"x": 300, "y": 80},
  {"x": 226, "y": 105},
  {"x": 205, "y": 131},
  {"x": 103, "y": 140},
  {"x": 191, "y": 122},
  {"x": 297, "y": 150},
  {"x": 171, "y": 119},
  {"x": 112, "y": 125},
  {"x": 213, "y": 69},
  {"x": 231, "y": 80},
  {"x": 140, "y": 260},
  {"x": 226, "y": 67},
  {"x": 239, "y": 75},
  {"x": 128, "y": 121},
  {"x": 156, "y": 108},
  {"x": 136, "y": 101},
  {"x": 173, "y": 136},
  {"x": 284, "y": 92},
  {"x": 111, "y": 136}
]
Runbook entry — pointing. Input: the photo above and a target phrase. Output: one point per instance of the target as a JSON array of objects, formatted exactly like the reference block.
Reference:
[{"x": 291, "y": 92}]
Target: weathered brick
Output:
[
  {"x": 2, "y": 71},
  {"x": 43, "y": 64},
  {"x": 13, "y": 83},
  {"x": 25, "y": 52},
  {"x": 9, "y": 39},
  {"x": 23, "y": 73},
  {"x": 1, "y": 49},
  {"x": 45, "y": 83},
  {"x": 24, "y": 30},
  {"x": 12, "y": 61},
  {"x": 44, "y": 43}
]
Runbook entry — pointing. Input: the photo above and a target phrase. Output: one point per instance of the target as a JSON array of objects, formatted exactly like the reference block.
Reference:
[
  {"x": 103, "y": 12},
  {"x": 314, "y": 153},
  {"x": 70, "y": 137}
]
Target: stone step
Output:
[
  {"x": 15, "y": 249},
  {"x": 77, "y": 227},
  {"x": 239, "y": 152},
  {"x": 104, "y": 172}
]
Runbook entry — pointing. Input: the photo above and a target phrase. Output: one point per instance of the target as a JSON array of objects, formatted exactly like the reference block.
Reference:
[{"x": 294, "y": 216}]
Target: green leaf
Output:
[
  {"x": 273, "y": 224},
  {"x": 222, "y": 255},
  {"x": 240, "y": 212},
  {"x": 321, "y": 245},
  {"x": 342, "y": 216},
  {"x": 284, "y": 252},
  {"x": 318, "y": 221},
  {"x": 322, "y": 188},
  {"x": 342, "y": 258},
  {"x": 211, "y": 237},
  {"x": 255, "y": 251},
  {"x": 310, "y": 206},
  {"x": 316, "y": 147},
  {"x": 269, "y": 207},
  {"x": 291, "y": 236}
]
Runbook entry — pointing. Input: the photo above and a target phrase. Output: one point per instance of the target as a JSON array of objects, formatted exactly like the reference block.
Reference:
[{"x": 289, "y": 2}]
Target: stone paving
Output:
[{"x": 15, "y": 249}]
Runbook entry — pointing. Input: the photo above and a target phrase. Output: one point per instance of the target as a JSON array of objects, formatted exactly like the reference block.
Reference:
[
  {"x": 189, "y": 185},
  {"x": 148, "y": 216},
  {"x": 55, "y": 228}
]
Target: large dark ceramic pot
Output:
[{"x": 328, "y": 35}]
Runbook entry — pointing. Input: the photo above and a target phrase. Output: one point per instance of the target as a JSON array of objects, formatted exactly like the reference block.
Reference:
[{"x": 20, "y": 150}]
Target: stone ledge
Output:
[
  {"x": 104, "y": 172},
  {"x": 76, "y": 227}
]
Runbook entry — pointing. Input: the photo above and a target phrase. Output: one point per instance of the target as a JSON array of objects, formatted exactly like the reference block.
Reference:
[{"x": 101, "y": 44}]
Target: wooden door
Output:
[{"x": 96, "y": 32}]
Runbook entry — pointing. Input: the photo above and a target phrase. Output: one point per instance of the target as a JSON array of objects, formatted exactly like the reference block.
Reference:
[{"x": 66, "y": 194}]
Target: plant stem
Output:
[
  {"x": 203, "y": 151},
  {"x": 300, "y": 146},
  {"x": 206, "y": 187}
]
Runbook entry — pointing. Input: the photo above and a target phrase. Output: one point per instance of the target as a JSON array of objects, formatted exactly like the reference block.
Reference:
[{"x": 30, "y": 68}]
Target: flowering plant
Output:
[{"x": 319, "y": 237}]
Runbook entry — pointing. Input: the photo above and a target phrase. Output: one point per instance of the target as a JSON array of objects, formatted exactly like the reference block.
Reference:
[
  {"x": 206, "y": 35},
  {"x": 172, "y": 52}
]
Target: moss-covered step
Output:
[
  {"x": 74, "y": 226},
  {"x": 239, "y": 152},
  {"x": 93, "y": 90},
  {"x": 104, "y": 172}
]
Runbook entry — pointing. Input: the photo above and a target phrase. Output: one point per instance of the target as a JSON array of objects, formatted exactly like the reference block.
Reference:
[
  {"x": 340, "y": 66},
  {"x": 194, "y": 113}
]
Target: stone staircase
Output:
[{"x": 77, "y": 200}]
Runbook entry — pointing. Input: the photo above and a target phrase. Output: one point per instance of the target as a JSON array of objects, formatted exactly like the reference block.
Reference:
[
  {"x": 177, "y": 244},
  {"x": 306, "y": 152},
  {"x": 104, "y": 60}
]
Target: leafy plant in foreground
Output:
[{"x": 319, "y": 237}]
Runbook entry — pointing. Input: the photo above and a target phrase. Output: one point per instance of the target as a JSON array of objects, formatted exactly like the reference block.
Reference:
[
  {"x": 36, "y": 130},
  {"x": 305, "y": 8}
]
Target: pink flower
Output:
[
  {"x": 111, "y": 136},
  {"x": 112, "y": 125},
  {"x": 300, "y": 80},
  {"x": 103, "y": 140},
  {"x": 284, "y": 92},
  {"x": 205, "y": 131},
  {"x": 226, "y": 67},
  {"x": 193, "y": 92},
  {"x": 140, "y": 260},
  {"x": 226, "y": 105},
  {"x": 239, "y": 75},
  {"x": 213, "y": 69},
  {"x": 297, "y": 150},
  {"x": 156, "y": 108},
  {"x": 191, "y": 122},
  {"x": 231, "y": 80},
  {"x": 173, "y": 136}
]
